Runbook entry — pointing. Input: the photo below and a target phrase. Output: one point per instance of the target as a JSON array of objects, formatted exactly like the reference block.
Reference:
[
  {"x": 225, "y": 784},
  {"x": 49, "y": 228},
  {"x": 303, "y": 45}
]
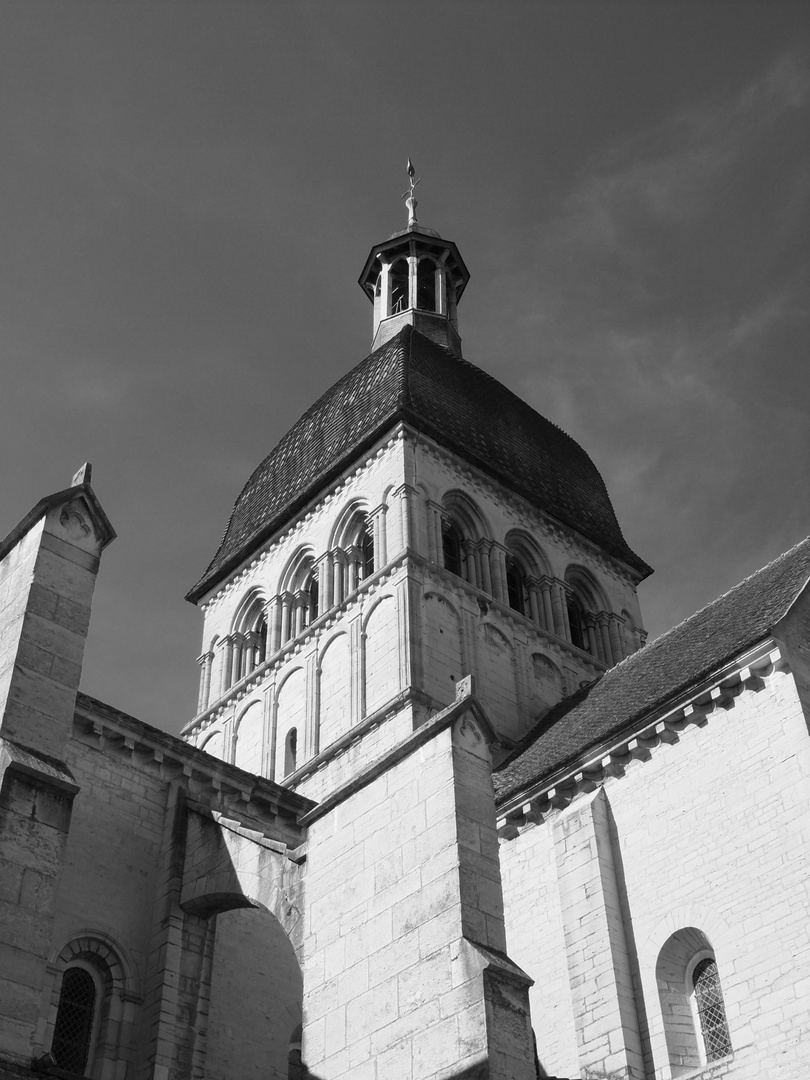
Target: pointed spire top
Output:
[
  {"x": 83, "y": 475},
  {"x": 410, "y": 201}
]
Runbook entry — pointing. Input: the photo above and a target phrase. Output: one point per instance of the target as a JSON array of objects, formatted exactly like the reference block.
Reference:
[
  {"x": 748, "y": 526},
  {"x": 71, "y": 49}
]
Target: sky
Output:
[{"x": 189, "y": 192}]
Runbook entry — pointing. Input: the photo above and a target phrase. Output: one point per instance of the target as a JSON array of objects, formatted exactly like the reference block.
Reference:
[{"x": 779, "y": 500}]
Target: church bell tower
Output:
[{"x": 413, "y": 576}]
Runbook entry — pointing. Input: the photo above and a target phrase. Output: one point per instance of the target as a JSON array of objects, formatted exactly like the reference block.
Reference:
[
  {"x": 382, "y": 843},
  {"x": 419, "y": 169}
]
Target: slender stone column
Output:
[
  {"x": 378, "y": 521},
  {"x": 607, "y": 649},
  {"x": 227, "y": 665},
  {"x": 274, "y": 625},
  {"x": 286, "y": 617},
  {"x": 558, "y": 610},
  {"x": 323, "y": 571},
  {"x": 339, "y": 590},
  {"x": 352, "y": 559},
  {"x": 470, "y": 561},
  {"x": 593, "y": 642},
  {"x": 616, "y": 643},
  {"x": 201, "y": 694},
  {"x": 548, "y": 613},
  {"x": 207, "y": 672},
  {"x": 237, "y": 646},
  {"x": 434, "y": 532},
  {"x": 533, "y": 586},
  {"x": 412, "y": 263},
  {"x": 406, "y": 494},
  {"x": 484, "y": 548},
  {"x": 385, "y": 289},
  {"x": 497, "y": 567}
]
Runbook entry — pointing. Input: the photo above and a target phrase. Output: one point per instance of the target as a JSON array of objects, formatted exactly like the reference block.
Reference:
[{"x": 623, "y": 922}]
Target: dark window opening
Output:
[
  {"x": 399, "y": 286},
  {"x": 579, "y": 635},
  {"x": 515, "y": 586},
  {"x": 312, "y": 606},
  {"x": 366, "y": 545},
  {"x": 290, "y": 751},
  {"x": 711, "y": 1010},
  {"x": 426, "y": 285},
  {"x": 261, "y": 651},
  {"x": 451, "y": 547},
  {"x": 74, "y": 1021}
]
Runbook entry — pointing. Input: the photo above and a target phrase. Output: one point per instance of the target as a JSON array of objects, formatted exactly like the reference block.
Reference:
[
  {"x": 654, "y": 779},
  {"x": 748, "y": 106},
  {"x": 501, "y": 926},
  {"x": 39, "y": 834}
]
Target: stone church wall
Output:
[
  {"x": 255, "y": 1006},
  {"x": 708, "y": 833}
]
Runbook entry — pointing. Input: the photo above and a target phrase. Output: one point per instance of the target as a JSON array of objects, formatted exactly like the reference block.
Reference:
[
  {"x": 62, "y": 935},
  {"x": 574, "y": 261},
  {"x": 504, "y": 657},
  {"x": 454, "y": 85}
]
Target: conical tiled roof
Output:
[{"x": 414, "y": 380}]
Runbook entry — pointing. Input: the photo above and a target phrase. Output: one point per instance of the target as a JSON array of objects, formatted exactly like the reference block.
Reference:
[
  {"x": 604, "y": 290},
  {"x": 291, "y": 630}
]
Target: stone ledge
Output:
[
  {"x": 46, "y": 770},
  {"x": 464, "y": 702},
  {"x": 171, "y": 759}
]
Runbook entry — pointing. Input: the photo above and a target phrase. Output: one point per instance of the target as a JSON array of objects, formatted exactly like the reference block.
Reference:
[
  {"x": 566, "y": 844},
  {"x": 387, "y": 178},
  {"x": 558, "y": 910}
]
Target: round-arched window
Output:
[{"x": 73, "y": 1031}]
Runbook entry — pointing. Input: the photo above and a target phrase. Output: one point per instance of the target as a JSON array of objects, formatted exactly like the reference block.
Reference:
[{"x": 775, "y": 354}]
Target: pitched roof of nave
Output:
[
  {"x": 412, "y": 379},
  {"x": 657, "y": 673}
]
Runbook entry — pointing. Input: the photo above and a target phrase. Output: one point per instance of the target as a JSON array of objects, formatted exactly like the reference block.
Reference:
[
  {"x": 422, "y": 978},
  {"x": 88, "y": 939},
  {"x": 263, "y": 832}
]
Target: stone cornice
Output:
[
  {"x": 215, "y": 783},
  {"x": 535, "y": 802}
]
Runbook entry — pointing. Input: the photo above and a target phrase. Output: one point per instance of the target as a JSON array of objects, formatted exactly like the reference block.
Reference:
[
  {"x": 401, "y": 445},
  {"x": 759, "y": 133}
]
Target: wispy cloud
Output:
[{"x": 667, "y": 172}]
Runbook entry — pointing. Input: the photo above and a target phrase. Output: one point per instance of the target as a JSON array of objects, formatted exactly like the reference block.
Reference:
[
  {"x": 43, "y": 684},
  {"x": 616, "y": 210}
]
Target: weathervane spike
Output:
[{"x": 410, "y": 201}]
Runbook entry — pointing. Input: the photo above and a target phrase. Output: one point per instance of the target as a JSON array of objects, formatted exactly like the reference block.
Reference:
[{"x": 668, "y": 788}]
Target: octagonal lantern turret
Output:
[{"x": 415, "y": 279}]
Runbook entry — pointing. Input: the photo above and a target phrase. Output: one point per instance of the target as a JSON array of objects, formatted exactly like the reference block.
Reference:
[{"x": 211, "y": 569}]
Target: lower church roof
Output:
[
  {"x": 412, "y": 379},
  {"x": 657, "y": 673}
]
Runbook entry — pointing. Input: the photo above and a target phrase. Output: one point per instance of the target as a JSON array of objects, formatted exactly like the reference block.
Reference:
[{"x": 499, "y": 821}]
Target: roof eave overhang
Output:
[
  {"x": 402, "y": 415},
  {"x": 658, "y": 723},
  {"x": 208, "y": 583}
]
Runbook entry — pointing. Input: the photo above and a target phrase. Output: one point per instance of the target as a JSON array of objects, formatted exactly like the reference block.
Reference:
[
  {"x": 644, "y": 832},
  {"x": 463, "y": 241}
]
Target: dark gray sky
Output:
[{"x": 189, "y": 191}]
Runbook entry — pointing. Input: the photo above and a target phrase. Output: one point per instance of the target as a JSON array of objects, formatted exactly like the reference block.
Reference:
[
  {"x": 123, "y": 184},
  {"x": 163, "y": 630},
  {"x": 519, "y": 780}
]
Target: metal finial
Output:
[{"x": 410, "y": 201}]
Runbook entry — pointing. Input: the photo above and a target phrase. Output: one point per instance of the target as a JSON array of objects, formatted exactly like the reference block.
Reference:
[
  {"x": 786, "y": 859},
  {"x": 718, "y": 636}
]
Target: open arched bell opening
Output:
[
  {"x": 427, "y": 275},
  {"x": 517, "y": 591},
  {"x": 588, "y": 618},
  {"x": 398, "y": 277},
  {"x": 451, "y": 548}
]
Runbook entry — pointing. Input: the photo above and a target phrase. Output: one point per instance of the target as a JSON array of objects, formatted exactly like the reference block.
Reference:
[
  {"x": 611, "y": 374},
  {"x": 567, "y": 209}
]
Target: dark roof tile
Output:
[{"x": 411, "y": 378}]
